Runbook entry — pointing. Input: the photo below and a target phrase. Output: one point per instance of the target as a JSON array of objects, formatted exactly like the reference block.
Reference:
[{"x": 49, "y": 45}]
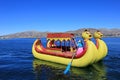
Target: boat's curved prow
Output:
[
  {"x": 86, "y": 35},
  {"x": 101, "y": 46}
]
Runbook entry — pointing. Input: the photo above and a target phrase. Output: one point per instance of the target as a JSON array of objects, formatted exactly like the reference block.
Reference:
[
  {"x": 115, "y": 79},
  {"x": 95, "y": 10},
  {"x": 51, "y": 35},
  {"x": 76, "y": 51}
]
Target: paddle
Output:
[{"x": 69, "y": 65}]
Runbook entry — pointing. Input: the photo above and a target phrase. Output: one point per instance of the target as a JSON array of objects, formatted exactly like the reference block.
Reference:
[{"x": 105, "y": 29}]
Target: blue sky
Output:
[{"x": 57, "y": 15}]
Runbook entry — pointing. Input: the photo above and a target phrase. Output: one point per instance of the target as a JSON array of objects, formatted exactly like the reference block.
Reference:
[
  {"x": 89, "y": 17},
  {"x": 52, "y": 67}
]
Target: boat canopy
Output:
[{"x": 60, "y": 36}]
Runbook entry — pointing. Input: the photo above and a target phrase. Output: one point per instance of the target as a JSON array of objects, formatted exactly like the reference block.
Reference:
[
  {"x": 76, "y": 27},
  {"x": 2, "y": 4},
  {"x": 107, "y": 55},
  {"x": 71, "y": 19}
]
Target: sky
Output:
[{"x": 57, "y": 15}]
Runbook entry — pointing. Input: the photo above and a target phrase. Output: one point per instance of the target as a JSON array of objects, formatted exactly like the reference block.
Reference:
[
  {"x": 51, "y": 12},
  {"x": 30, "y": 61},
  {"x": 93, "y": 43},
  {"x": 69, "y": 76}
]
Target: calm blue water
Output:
[{"x": 18, "y": 63}]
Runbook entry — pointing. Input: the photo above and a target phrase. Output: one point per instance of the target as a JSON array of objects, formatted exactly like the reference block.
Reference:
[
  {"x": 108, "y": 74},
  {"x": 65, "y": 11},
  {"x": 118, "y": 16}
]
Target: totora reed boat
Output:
[{"x": 60, "y": 48}]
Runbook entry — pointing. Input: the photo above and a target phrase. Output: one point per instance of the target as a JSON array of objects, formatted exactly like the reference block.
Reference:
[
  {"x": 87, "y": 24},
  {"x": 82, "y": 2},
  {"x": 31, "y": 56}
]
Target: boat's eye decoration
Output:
[{"x": 98, "y": 34}]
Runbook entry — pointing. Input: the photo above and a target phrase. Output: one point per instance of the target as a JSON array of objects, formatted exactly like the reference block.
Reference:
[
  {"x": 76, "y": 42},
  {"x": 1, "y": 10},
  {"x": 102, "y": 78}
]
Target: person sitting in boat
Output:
[
  {"x": 51, "y": 44},
  {"x": 79, "y": 44},
  {"x": 80, "y": 47}
]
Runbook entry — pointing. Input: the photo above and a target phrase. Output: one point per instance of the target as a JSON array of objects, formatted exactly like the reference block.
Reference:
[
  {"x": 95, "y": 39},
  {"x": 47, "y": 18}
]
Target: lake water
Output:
[{"x": 18, "y": 63}]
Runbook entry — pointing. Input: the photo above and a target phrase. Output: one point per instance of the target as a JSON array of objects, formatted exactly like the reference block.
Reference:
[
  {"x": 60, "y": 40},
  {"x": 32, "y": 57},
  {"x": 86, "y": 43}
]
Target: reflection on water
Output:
[{"x": 45, "y": 70}]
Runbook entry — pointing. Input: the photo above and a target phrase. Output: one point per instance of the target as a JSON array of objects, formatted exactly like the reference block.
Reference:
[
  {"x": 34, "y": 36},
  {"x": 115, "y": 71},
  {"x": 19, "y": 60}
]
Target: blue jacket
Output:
[{"x": 79, "y": 44}]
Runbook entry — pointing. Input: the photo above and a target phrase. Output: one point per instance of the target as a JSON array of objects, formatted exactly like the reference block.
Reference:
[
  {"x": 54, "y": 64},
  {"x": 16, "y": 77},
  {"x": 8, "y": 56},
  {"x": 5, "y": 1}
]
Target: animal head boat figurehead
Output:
[
  {"x": 98, "y": 35},
  {"x": 101, "y": 46},
  {"x": 86, "y": 35}
]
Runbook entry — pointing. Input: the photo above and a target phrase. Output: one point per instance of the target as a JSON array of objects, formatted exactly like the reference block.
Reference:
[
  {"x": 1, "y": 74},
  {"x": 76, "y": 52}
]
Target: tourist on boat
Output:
[
  {"x": 80, "y": 47},
  {"x": 52, "y": 44},
  {"x": 79, "y": 44}
]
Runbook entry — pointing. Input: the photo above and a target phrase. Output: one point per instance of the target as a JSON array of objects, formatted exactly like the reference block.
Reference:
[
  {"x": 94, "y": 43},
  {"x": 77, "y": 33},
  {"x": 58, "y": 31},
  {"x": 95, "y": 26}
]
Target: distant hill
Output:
[
  {"x": 107, "y": 32},
  {"x": 36, "y": 34},
  {"x": 27, "y": 34}
]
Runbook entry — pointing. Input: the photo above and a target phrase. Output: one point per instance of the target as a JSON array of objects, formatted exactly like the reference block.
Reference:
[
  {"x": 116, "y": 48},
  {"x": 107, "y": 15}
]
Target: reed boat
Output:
[{"x": 60, "y": 48}]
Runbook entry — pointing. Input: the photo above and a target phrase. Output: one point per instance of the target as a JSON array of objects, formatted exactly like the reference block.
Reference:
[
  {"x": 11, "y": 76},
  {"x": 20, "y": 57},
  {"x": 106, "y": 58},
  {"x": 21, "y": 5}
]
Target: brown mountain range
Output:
[{"x": 37, "y": 34}]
